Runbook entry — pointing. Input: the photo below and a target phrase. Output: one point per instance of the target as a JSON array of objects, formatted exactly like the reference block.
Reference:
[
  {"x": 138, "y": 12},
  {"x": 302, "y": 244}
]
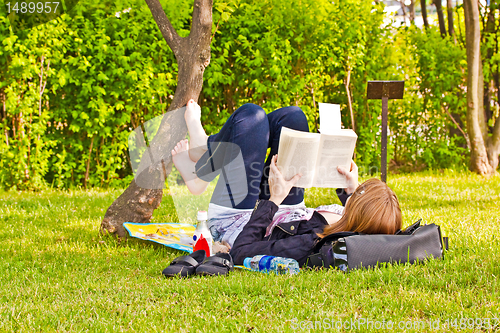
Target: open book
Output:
[{"x": 316, "y": 156}]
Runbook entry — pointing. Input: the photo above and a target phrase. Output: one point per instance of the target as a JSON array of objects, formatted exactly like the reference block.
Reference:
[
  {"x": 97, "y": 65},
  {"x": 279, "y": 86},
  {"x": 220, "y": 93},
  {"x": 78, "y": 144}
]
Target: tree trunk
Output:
[
  {"x": 424, "y": 13},
  {"x": 349, "y": 99},
  {"x": 442, "y": 24},
  {"x": 451, "y": 28},
  {"x": 137, "y": 203},
  {"x": 479, "y": 161},
  {"x": 412, "y": 12},
  {"x": 489, "y": 30},
  {"x": 403, "y": 8}
]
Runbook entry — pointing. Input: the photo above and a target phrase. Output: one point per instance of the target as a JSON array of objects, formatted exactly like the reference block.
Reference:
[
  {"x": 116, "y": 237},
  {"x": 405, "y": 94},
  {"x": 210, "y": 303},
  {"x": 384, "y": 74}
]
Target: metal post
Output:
[
  {"x": 383, "y": 161},
  {"x": 384, "y": 90}
]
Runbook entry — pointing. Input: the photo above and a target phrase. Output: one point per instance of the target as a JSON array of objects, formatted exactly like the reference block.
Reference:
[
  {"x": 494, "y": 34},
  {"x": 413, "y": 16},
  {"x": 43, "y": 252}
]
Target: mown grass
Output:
[{"x": 59, "y": 274}]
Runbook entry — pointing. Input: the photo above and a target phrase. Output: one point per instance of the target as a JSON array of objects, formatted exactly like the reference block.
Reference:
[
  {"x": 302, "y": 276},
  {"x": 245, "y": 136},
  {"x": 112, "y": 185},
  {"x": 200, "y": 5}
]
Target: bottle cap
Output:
[
  {"x": 265, "y": 263},
  {"x": 202, "y": 215},
  {"x": 247, "y": 262}
]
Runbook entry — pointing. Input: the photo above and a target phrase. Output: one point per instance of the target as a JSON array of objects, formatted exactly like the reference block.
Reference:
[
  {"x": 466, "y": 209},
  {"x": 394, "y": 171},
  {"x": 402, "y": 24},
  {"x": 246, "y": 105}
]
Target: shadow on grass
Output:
[{"x": 77, "y": 234}]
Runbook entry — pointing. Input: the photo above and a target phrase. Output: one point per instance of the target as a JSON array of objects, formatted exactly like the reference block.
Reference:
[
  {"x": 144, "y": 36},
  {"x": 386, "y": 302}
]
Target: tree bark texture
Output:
[
  {"x": 137, "y": 203},
  {"x": 424, "y": 13},
  {"x": 412, "y": 12},
  {"x": 484, "y": 149},
  {"x": 489, "y": 30},
  {"x": 442, "y": 24},
  {"x": 403, "y": 8},
  {"x": 347, "y": 83},
  {"x": 449, "y": 9}
]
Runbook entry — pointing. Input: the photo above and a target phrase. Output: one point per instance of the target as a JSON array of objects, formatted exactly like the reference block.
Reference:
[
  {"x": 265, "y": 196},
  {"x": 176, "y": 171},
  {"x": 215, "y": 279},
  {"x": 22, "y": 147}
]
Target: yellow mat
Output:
[{"x": 175, "y": 235}]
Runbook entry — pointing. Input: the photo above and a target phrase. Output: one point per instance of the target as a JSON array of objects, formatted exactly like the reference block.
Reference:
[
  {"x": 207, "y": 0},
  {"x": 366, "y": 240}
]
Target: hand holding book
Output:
[
  {"x": 351, "y": 177},
  {"x": 279, "y": 187},
  {"x": 317, "y": 156}
]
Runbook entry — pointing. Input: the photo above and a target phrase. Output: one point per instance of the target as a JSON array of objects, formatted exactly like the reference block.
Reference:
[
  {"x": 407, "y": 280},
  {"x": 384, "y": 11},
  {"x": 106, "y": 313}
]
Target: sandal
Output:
[
  {"x": 218, "y": 264},
  {"x": 185, "y": 265}
]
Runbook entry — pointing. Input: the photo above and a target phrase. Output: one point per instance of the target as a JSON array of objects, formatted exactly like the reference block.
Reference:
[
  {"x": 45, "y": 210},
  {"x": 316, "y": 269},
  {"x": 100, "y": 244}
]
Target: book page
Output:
[
  {"x": 334, "y": 150},
  {"x": 297, "y": 153},
  {"x": 329, "y": 118}
]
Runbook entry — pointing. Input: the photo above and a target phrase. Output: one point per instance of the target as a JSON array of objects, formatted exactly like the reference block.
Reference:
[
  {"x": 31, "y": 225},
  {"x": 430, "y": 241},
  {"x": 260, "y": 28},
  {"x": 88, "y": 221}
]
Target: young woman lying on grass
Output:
[{"x": 279, "y": 224}]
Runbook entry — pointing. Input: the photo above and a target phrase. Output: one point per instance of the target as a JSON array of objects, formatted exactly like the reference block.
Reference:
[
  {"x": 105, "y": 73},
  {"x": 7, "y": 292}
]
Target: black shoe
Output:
[
  {"x": 185, "y": 265},
  {"x": 218, "y": 264}
]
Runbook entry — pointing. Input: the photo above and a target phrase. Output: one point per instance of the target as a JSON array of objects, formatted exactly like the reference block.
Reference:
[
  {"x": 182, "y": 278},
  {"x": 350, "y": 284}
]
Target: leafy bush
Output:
[{"x": 110, "y": 71}]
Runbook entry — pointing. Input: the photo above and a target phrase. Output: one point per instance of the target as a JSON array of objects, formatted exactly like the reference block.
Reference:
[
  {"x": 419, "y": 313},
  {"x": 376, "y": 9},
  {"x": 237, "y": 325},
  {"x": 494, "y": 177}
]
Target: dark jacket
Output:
[{"x": 290, "y": 240}]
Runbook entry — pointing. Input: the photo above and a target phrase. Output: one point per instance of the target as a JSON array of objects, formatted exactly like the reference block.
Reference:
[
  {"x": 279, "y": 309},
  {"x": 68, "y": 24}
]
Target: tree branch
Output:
[
  {"x": 442, "y": 25},
  {"x": 458, "y": 126},
  {"x": 202, "y": 19},
  {"x": 216, "y": 28},
  {"x": 42, "y": 84},
  {"x": 495, "y": 139},
  {"x": 349, "y": 101},
  {"x": 461, "y": 37},
  {"x": 167, "y": 30},
  {"x": 424, "y": 13},
  {"x": 403, "y": 7},
  {"x": 451, "y": 27}
]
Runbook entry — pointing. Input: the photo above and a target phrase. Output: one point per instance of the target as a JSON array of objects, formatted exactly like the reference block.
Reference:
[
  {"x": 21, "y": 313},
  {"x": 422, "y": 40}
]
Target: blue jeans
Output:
[{"x": 239, "y": 151}]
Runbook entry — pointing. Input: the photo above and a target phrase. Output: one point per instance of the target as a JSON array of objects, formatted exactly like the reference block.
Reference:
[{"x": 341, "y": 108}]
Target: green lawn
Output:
[{"x": 59, "y": 274}]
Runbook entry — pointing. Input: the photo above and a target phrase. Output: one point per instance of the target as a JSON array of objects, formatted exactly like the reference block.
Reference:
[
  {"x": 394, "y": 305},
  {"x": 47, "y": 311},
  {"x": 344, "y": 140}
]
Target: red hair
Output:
[{"x": 372, "y": 209}]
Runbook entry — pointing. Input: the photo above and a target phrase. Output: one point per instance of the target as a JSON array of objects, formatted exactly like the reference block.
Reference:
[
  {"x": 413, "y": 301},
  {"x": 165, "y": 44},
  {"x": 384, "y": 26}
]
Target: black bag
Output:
[{"x": 349, "y": 250}]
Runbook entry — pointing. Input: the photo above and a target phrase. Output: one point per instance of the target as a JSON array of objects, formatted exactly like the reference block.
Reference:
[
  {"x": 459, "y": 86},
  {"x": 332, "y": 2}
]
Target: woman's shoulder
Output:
[{"x": 334, "y": 208}]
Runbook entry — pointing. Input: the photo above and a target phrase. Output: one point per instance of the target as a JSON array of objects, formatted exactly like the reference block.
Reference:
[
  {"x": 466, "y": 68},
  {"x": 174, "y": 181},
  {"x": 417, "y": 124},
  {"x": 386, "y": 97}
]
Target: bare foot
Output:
[
  {"x": 186, "y": 167},
  {"x": 196, "y": 132}
]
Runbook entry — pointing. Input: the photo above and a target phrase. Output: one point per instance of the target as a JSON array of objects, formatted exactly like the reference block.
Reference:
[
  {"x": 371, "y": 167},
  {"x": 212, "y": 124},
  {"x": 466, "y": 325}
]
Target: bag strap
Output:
[
  {"x": 317, "y": 260},
  {"x": 410, "y": 229},
  {"x": 332, "y": 238},
  {"x": 185, "y": 260}
]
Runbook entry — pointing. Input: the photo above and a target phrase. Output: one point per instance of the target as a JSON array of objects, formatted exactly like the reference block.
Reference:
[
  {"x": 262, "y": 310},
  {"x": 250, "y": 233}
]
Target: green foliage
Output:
[
  {"x": 111, "y": 71},
  {"x": 275, "y": 53},
  {"x": 423, "y": 133},
  {"x": 107, "y": 75}
]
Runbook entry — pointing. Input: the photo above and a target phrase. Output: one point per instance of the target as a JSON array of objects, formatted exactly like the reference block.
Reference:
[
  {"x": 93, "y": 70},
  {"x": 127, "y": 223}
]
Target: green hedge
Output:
[{"x": 110, "y": 71}]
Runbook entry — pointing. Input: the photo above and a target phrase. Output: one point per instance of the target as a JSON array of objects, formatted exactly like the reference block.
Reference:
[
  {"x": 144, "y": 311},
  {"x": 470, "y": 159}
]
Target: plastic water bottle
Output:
[
  {"x": 202, "y": 236},
  {"x": 252, "y": 263},
  {"x": 267, "y": 264},
  {"x": 281, "y": 265},
  {"x": 260, "y": 263}
]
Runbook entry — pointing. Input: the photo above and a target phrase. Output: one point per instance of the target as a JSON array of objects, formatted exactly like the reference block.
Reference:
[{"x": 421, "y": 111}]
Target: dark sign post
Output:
[{"x": 385, "y": 90}]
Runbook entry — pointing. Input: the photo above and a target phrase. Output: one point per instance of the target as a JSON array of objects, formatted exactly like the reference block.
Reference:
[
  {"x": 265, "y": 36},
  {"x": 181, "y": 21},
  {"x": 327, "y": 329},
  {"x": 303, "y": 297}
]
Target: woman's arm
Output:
[
  {"x": 278, "y": 186},
  {"x": 250, "y": 241}
]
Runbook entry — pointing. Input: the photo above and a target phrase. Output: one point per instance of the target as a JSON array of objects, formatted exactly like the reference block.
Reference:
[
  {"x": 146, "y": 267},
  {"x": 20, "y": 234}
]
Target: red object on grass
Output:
[{"x": 202, "y": 244}]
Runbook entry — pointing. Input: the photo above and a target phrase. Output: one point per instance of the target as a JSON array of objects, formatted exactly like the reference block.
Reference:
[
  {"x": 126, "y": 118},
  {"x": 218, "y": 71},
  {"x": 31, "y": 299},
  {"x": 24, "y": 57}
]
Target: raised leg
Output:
[
  {"x": 237, "y": 153},
  {"x": 292, "y": 117},
  {"x": 197, "y": 135},
  {"x": 186, "y": 167}
]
